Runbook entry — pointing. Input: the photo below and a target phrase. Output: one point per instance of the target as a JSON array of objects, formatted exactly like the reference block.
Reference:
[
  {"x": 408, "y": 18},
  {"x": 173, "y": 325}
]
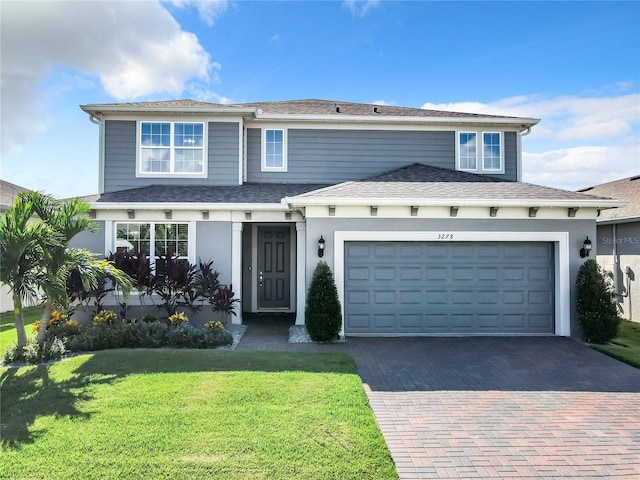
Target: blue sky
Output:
[{"x": 575, "y": 65}]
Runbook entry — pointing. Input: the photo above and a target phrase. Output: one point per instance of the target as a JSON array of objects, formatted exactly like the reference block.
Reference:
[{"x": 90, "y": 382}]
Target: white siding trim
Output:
[
  {"x": 301, "y": 271},
  {"x": 236, "y": 265},
  {"x": 560, "y": 240},
  {"x": 241, "y": 153}
]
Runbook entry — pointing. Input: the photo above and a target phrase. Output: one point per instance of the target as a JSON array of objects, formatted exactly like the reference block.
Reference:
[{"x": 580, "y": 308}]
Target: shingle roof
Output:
[
  {"x": 247, "y": 193},
  {"x": 627, "y": 189},
  {"x": 304, "y": 107},
  {"x": 412, "y": 183},
  {"x": 426, "y": 182},
  {"x": 8, "y": 193},
  {"x": 328, "y": 107}
]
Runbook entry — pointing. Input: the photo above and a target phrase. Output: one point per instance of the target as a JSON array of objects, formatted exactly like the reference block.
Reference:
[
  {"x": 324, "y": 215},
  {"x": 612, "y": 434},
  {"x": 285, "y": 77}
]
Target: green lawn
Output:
[
  {"x": 626, "y": 346},
  {"x": 8, "y": 327},
  {"x": 189, "y": 414}
]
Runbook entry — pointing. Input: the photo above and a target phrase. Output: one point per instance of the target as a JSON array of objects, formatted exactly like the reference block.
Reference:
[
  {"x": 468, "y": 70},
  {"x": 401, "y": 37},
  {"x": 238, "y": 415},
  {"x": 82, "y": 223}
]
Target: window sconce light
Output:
[
  {"x": 287, "y": 215},
  {"x": 374, "y": 211},
  {"x": 571, "y": 212},
  {"x": 414, "y": 211},
  {"x": 92, "y": 213},
  {"x": 131, "y": 214},
  {"x": 247, "y": 215},
  {"x": 332, "y": 210},
  {"x": 453, "y": 211},
  {"x": 205, "y": 214},
  {"x": 168, "y": 214},
  {"x": 493, "y": 211},
  {"x": 586, "y": 248},
  {"x": 533, "y": 211},
  {"x": 321, "y": 247}
]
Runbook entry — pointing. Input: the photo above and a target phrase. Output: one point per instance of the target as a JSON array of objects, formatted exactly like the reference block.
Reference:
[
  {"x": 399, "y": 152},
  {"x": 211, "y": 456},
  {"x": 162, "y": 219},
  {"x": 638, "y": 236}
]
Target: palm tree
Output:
[
  {"x": 21, "y": 239},
  {"x": 67, "y": 219}
]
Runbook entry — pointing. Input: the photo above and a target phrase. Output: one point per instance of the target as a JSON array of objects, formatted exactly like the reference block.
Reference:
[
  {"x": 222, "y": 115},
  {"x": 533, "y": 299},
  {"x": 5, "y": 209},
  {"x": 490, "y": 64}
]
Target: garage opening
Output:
[{"x": 456, "y": 288}]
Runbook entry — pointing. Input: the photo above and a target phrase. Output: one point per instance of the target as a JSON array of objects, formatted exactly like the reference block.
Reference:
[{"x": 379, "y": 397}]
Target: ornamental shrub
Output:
[
  {"x": 177, "y": 319},
  {"x": 596, "y": 304},
  {"x": 105, "y": 317},
  {"x": 323, "y": 314}
]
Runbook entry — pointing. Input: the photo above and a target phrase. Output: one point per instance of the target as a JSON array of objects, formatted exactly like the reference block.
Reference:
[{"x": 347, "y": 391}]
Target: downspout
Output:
[
  {"x": 616, "y": 262},
  {"x": 521, "y": 133}
]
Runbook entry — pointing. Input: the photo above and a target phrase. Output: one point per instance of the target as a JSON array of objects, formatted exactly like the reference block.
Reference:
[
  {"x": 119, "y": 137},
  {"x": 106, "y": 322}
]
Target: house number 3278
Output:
[{"x": 445, "y": 236}]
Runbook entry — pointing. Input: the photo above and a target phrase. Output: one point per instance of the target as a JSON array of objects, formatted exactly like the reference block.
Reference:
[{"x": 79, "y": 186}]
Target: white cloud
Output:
[
  {"x": 564, "y": 118},
  {"x": 134, "y": 48},
  {"x": 208, "y": 10},
  {"x": 580, "y": 167},
  {"x": 579, "y": 142},
  {"x": 382, "y": 102},
  {"x": 359, "y": 8}
]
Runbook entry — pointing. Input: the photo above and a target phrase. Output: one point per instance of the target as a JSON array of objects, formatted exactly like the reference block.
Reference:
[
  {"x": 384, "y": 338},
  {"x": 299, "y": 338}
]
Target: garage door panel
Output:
[
  {"x": 459, "y": 297},
  {"x": 488, "y": 297},
  {"x": 384, "y": 321},
  {"x": 437, "y": 273},
  {"x": 456, "y": 288},
  {"x": 384, "y": 273},
  {"x": 358, "y": 273}
]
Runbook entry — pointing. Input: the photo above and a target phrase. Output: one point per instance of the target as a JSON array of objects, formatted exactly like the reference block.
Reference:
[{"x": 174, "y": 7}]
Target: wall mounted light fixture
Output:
[
  {"x": 321, "y": 243},
  {"x": 586, "y": 248},
  {"x": 131, "y": 213}
]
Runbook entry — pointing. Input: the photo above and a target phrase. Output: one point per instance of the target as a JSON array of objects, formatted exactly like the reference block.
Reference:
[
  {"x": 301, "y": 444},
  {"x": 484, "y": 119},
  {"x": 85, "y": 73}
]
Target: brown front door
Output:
[{"x": 274, "y": 260}]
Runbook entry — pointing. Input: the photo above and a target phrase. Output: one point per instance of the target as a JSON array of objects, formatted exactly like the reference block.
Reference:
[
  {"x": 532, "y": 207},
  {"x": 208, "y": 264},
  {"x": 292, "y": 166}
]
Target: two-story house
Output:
[{"x": 421, "y": 214}]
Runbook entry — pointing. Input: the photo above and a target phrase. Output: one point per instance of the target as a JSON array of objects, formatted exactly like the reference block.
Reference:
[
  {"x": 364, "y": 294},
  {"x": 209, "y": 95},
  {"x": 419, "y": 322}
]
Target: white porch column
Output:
[
  {"x": 236, "y": 266},
  {"x": 301, "y": 271}
]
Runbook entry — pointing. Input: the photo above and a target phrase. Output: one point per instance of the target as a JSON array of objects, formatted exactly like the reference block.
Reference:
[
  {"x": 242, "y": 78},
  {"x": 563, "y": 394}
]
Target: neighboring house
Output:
[
  {"x": 424, "y": 218},
  {"x": 8, "y": 193},
  {"x": 618, "y": 244}
]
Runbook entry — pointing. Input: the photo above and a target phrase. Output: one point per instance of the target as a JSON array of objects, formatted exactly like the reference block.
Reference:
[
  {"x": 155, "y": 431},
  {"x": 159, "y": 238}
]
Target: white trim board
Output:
[{"x": 562, "y": 314}]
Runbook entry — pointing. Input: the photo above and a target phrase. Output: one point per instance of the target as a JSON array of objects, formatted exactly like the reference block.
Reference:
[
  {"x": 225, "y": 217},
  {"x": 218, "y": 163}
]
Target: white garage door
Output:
[{"x": 449, "y": 288}]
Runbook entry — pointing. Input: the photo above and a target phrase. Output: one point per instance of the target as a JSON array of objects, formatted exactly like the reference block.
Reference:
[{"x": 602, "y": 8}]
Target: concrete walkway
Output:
[{"x": 492, "y": 407}]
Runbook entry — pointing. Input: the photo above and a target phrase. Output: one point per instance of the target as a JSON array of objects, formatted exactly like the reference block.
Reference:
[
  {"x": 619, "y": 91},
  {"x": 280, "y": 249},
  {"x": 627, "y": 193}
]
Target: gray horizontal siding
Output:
[
  {"x": 327, "y": 156},
  {"x": 511, "y": 156},
  {"x": 120, "y": 157},
  {"x": 331, "y": 156}
]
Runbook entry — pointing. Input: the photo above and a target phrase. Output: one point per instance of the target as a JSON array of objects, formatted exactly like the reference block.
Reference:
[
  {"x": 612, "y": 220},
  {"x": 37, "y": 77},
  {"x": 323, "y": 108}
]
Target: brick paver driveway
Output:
[
  {"x": 492, "y": 407},
  {"x": 541, "y": 407}
]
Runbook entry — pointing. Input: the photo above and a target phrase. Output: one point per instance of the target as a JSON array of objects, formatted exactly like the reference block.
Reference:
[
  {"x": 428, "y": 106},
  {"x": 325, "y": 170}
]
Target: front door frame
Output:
[{"x": 292, "y": 268}]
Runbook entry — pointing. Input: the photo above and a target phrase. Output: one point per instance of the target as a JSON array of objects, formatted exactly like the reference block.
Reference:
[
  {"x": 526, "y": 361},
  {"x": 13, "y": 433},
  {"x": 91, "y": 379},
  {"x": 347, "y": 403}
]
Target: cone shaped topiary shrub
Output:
[
  {"x": 595, "y": 302},
  {"x": 323, "y": 314}
]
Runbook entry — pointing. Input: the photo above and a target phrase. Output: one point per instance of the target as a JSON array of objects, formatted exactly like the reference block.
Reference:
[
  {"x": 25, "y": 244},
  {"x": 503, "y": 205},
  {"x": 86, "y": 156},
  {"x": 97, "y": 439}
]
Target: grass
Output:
[
  {"x": 626, "y": 345},
  {"x": 189, "y": 414},
  {"x": 8, "y": 334}
]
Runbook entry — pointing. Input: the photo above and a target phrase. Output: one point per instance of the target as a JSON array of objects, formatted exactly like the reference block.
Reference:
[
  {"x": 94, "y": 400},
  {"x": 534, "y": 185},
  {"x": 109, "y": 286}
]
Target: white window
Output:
[
  {"x": 479, "y": 152},
  {"x": 274, "y": 150},
  {"x": 468, "y": 148},
  {"x": 171, "y": 149},
  {"x": 154, "y": 239},
  {"x": 491, "y": 151}
]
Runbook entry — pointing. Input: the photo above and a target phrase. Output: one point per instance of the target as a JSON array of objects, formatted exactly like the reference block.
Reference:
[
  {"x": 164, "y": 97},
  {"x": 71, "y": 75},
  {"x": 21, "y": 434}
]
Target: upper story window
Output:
[
  {"x": 274, "y": 150},
  {"x": 480, "y": 152},
  {"x": 172, "y": 148}
]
